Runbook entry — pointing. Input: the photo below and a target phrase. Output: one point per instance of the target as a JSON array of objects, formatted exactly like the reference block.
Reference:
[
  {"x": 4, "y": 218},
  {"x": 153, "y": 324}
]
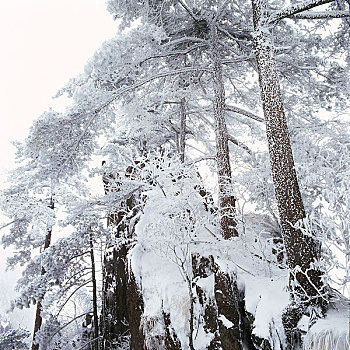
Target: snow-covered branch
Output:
[
  {"x": 321, "y": 14},
  {"x": 239, "y": 144},
  {"x": 296, "y": 9},
  {"x": 245, "y": 113}
]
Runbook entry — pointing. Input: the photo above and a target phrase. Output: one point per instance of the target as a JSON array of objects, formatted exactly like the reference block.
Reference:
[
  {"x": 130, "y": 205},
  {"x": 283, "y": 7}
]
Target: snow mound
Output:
[{"x": 330, "y": 333}]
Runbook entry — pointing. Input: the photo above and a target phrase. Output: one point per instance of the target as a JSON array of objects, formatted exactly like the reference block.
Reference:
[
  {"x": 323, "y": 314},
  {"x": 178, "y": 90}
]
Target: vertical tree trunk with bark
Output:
[
  {"x": 38, "y": 319},
  {"x": 114, "y": 321},
  {"x": 301, "y": 250},
  {"x": 182, "y": 138},
  {"x": 95, "y": 344},
  {"x": 227, "y": 202}
]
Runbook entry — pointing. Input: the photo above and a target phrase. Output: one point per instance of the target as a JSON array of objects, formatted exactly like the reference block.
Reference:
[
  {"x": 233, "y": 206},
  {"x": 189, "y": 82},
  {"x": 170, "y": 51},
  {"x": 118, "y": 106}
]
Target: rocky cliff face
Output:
[
  {"x": 182, "y": 287},
  {"x": 157, "y": 311}
]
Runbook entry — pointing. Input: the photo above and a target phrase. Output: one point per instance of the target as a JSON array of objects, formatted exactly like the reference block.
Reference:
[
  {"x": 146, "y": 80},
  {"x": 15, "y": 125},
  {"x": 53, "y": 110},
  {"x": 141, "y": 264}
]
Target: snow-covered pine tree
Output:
[
  {"x": 156, "y": 83},
  {"x": 303, "y": 251}
]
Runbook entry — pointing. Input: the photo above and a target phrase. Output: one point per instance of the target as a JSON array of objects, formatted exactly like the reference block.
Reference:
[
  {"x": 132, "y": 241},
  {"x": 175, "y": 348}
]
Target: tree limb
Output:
[
  {"x": 238, "y": 59},
  {"x": 297, "y": 8},
  {"x": 8, "y": 224},
  {"x": 201, "y": 159},
  {"x": 239, "y": 144},
  {"x": 245, "y": 113},
  {"x": 67, "y": 299},
  {"x": 184, "y": 6},
  {"x": 175, "y": 53},
  {"x": 89, "y": 342},
  {"x": 68, "y": 323},
  {"x": 94, "y": 113},
  {"x": 245, "y": 36},
  {"x": 321, "y": 14},
  {"x": 342, "y": 8}
]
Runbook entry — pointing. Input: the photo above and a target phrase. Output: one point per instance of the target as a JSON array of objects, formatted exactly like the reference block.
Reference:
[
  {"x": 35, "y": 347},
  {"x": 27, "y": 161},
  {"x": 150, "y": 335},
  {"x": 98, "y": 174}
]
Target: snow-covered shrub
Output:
[{"x": 14, "y": 339}]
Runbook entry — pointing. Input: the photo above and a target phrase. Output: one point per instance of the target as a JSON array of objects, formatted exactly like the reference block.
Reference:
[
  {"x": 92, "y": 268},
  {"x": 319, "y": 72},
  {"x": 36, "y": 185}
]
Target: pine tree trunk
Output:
[
  {"x": 114, "y": 321},
  {"x": 227, "y": 202},
  {"x": 301, "y": 250},
  {"x": 95, "y": 345},
  {"x": 38, "y": 319},
  {"x": 182, "y": 138}
]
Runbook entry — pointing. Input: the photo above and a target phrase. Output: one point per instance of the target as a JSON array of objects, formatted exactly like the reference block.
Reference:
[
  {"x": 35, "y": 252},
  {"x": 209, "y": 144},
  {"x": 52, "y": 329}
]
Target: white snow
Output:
[
  {"x": 266, "y": 299},
  {"x": 303, "y": 323},
  {"x": 162, "y": 287},
  {"x": 330, "y": 333},
  {"x": 207, "y": 284},
  {"x": 227, "y": 323}
]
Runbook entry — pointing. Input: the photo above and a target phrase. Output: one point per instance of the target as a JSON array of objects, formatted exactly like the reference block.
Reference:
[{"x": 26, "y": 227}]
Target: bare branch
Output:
[
  {"x": 175, "y": 53},
  {"x": 236, "y": 36},
  {"x": 66, "y": 301},
  {"x": 187, "y": 10},
  {"x": 8, "y": 224},
  {"x": 238, "y": 59},
  {"x": 89, "y": 342},
  {"x": 68, "y": 323},
  {"x": 239, "y": 144},
  {"x": 201, "y": 159},
  {"x": 245, "y": 113},
  {"x": 184, "y": 39}
]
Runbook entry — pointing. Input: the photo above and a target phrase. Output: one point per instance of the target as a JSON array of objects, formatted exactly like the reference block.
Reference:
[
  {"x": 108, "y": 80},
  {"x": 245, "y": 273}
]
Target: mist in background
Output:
[{"x": 43, "y": 44}]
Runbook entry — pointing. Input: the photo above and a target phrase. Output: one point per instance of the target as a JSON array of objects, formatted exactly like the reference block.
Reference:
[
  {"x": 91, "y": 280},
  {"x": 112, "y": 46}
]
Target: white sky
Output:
[{"x": 43, "y": 43}]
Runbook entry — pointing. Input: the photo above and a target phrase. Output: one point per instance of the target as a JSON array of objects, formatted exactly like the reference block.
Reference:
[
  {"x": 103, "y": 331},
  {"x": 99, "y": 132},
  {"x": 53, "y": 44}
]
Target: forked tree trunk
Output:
[
  {"x": 38, "y": 319},
  {"x": 227, "y": 201},
  {"x": 301, "y": 250}
]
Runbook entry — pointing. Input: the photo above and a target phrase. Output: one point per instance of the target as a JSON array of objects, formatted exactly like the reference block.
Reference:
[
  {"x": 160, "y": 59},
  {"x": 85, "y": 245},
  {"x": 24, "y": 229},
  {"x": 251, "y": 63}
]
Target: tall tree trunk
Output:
[
  {"x": 114, "y": 323},
  {"x": 96, "y": 342},
  {"x": 38, "y": 319},
  {"x": 302, "y": 250},
  {"x": 227, "y": 202},
  {"x": 182, "y": 138}
]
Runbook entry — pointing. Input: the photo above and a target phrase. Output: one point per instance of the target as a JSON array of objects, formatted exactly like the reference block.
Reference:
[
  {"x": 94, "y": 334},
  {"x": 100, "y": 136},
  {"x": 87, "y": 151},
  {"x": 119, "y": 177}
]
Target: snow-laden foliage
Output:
[
  {"x": 14, "y": 339},
  {"x": 171, "y": 106}
]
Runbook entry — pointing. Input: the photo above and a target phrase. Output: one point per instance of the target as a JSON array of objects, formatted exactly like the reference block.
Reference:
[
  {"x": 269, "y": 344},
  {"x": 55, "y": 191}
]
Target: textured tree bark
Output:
[
  {"x": 114, "y": 316},
  {"x": 135, "y": 311},
  {"x": 95, "y": 344},
  {"x": 301, "y": 250},
  {"x": 227, "y": 202},
  {"x": 182, "y": 138},
  {"x": 227, "y": 298},
  {"x": 118, "y": 313},
  {"x": 38, "y": 319},
  {"x": 114, "y": 319}
]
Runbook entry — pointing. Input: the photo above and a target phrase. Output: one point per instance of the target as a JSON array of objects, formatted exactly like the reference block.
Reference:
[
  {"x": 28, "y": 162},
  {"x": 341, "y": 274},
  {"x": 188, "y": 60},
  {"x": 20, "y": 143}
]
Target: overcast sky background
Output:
[{"x": 43, "y": 44}]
